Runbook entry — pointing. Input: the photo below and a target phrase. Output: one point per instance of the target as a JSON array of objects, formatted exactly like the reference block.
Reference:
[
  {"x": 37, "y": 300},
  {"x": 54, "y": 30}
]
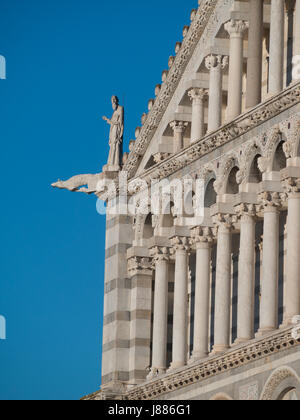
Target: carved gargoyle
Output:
[{"x": 79, "y": 183}]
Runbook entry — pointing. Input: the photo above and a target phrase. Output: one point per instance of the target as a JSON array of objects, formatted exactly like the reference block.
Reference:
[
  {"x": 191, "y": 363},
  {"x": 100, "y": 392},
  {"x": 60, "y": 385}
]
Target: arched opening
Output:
[
  {"x": 189, "y": 201},
  {"x": 289, "y": 394},
  {"x": 148, "y": 230},
  {"x": 210, "y": 194},
  {"x": 232, "y": 185},
  {"x": 279, "y": 161},
  {"x": 255, "y": 176},
  {"x": 168, "y": 218},
  {"x": 282, "y": 385},
  {"x": 221, "y": 397}
]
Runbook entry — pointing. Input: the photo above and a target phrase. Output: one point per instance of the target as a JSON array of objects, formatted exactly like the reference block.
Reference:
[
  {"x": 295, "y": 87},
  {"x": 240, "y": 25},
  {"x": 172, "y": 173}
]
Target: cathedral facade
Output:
[{"x": 205, "y": 304}]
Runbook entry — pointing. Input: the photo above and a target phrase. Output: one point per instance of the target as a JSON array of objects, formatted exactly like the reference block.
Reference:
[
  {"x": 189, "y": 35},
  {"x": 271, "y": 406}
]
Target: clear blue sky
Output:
[{"x": 65, "y": 58}]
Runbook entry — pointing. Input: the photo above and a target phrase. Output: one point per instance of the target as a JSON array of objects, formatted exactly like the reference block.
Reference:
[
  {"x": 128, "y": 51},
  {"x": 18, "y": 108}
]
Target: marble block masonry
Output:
[{"x": 205, "y": 308}]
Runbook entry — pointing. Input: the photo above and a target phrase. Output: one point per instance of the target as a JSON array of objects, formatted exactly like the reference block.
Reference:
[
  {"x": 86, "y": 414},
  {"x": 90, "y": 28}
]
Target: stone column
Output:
[
  {"x": 246, "y": 284},
  {"x": 178, "y": 127},
  {"x": 197, "y": 96},
  {"x": 223, "y": 283},
  {"x": 297, "y": 29},
  {"x": 160, "y": 319},
  {"x": 203, "y": 239},
  {"x": 270, "y": 203},
  {"x": 292, "y": 298},
  {"x": 179, "y": 357},
  {"x": 236, "y": 29},
  {"x": 276, "y": 47},
  {"x": 254, "y": 63},
  {"x": 215, "y": 64}
]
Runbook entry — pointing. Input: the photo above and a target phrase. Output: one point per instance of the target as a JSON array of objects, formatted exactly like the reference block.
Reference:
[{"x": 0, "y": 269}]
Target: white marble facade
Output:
[{"x": 187, "y": 302}]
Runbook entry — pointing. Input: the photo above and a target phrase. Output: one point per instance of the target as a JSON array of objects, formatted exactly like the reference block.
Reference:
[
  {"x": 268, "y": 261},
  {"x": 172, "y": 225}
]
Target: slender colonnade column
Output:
[
  {"x": 215, "y": 64},
  {"x": 292, "y": 300},
  {"x": 270, "y": 203},
  {"x": 254, "y": 63},
  {"x": 203, "y": 239},
  {"x": 223, "y": 283},
  {"x": 236, "y": 29},
  {"x": 276, "y": 47},
  {"x": 160, "y": 321},
  {"x": 197, "y": 96},
  {"x": 179, "y": 357},
  {"x": 246, "y": 284},
  {"x": 297, "y": 29},
  {"x": 178, "y": 127}
]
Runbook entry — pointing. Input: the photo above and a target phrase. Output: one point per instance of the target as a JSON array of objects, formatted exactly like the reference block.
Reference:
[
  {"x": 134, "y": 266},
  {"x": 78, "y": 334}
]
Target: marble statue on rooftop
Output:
[{"x": 115, "y": 136}]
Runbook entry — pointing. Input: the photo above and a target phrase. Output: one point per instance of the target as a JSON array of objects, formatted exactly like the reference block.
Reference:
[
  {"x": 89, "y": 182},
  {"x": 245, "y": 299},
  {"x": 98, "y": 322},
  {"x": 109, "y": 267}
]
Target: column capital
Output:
[
  {"x": 291, "y": 186},
  {"x": 159, "y": 253},
  {"x": 138, "y": 264},
  {"x": 202, "y": 235},
  {"x": 270, "y": 201},
  {"x": 214, "y": 61},
  {"x": 245, "y": 209},
  {"x": 180, "y": 243},
  {"x": 178, "y": 126},
  {"x": 290, "y": 6},
  {"x": 198, "y": 94},
  {"x": 224, "y": 221},
  {"x": 236, "y": 28}
]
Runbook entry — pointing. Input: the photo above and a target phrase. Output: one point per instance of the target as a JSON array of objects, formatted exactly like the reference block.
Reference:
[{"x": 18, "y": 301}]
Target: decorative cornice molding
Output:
[
  {"x": 246, "y": 354},
  {"x": 229, "y": 132}
]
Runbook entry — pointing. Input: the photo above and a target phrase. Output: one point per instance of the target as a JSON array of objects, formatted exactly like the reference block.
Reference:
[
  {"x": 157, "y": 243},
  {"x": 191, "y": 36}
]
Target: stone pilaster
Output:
[
  {"x": 180, "y": 249},
  {"x": 269, "y": 205},
  {"x": 116, "y": 329},
  {"x": 236, "y": 30},
  {"x": 276, "y": 47},
  {"x": 178, "y": 128},
  {"x": 202, "y": 238},
  {"x": 198, "y": 97},
  {"x": 140, "y": 274},
  {"x": 224, "y": 225},
  {"x": 160, "y": 257},
  {"x": 215, "y": 64}
]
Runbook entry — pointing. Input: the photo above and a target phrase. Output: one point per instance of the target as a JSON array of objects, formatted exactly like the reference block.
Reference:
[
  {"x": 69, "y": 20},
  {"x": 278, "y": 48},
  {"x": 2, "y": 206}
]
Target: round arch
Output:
[
  {"x": 281, "y": 382},
  {"x": 221, "y": 397}
]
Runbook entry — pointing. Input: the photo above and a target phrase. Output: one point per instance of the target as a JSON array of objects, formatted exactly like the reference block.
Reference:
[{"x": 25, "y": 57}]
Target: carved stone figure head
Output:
[{"x": 115, "y": 102}]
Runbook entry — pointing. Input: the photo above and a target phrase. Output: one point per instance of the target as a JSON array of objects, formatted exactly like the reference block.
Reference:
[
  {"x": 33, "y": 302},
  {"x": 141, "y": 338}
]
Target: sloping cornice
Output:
[
  {"x": 225, "y": 134},
  {"x": 205, "y": 10},
  {"x": 277, "y": 342}
]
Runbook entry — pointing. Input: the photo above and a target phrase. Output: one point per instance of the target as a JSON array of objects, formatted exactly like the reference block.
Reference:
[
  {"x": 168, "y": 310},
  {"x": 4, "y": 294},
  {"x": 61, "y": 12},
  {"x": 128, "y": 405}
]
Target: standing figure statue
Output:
[{"x": 115, "y": 136}]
